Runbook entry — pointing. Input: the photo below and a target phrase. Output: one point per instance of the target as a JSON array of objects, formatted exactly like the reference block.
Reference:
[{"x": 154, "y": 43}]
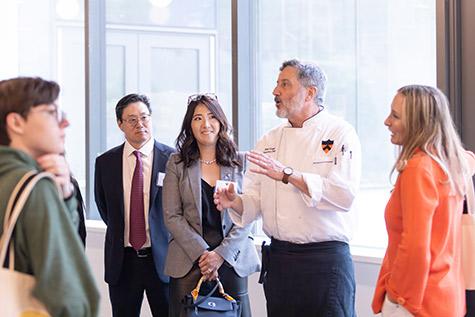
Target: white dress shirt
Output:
[
  {"x": 128, "y": 167},
  {"x": 332, "y": 179}
]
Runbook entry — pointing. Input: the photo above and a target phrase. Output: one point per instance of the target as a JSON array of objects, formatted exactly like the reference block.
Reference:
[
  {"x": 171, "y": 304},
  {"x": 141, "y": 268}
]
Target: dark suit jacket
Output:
[
  {"x": 109, "y": 195},
  {"x": 81, "y": 211}
]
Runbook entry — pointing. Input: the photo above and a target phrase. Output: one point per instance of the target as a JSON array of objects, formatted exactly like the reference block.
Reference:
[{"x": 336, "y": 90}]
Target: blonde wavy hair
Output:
[{"x": 429, "y": 127}]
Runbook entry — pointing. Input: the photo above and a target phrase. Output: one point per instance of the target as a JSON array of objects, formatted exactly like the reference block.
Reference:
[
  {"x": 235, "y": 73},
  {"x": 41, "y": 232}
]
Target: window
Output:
[
  {"x": 46, "y": 38},
  {"x": 368, "y": 49},
  {"x": 167, "y": 50}
]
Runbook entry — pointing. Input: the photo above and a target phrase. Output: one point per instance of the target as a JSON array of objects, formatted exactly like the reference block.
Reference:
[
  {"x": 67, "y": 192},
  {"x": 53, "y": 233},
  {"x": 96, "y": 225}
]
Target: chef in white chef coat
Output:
[{"x": 302, "y": 181}]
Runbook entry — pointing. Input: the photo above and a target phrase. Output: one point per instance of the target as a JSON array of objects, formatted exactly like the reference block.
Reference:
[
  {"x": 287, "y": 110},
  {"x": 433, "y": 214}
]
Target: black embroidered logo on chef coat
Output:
[{"x": 327, "y": 146}]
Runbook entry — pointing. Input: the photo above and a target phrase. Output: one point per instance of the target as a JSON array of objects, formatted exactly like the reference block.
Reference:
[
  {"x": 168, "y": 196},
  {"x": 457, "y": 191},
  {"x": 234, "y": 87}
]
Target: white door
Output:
[{"x": 167, "y": 67}]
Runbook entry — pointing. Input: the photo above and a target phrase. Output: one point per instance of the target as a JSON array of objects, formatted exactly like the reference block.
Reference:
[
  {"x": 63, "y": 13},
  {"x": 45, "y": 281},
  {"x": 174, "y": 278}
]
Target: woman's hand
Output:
[
  {"x": 213, "y": 276},
  {"x": 392, "y": 300},
  {"x": 209, "y": 264}
]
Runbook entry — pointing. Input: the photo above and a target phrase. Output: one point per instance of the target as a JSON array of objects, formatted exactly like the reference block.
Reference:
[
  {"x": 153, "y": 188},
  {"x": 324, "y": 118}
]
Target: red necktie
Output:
[{"x": 137, "y": 236}]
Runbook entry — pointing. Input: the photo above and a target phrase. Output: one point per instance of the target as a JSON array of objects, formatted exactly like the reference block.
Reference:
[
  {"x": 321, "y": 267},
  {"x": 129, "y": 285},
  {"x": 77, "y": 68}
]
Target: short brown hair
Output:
[{"x": 20, "y": 94}]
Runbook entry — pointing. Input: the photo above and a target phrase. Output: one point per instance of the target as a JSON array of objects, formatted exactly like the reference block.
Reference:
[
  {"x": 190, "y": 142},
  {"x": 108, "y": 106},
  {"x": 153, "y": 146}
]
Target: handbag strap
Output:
[
  {"x": 205, "y": 297},
  {"x": 6, "y": 220},
  {"x": 15, "y": 205},
  {"x": 196, "y": 291},
  {"x": 14, "y": 197},
  {"x": 470, "y": 196}
]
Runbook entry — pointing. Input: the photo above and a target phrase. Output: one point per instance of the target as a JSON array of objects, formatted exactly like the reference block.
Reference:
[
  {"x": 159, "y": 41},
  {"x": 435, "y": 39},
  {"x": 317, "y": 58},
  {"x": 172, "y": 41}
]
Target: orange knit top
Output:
[{"x": 422, "y": 265}]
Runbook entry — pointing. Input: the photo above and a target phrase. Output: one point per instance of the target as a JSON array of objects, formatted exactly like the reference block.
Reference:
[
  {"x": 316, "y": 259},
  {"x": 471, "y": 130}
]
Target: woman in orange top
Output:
[{"x": 421, "y": 272}]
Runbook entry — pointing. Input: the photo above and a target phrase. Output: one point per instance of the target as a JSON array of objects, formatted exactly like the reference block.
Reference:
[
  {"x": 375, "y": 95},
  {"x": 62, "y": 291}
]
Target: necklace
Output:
[{"x": 207, "y": 162}]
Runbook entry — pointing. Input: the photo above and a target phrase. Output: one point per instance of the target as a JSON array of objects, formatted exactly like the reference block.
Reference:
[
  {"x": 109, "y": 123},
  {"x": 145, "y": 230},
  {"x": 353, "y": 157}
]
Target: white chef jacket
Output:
[{"x": 332, "y": 178}]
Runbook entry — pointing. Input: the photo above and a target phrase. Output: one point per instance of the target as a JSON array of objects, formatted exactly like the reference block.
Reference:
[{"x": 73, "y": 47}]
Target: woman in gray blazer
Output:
[{"x": 203, "y": 240}]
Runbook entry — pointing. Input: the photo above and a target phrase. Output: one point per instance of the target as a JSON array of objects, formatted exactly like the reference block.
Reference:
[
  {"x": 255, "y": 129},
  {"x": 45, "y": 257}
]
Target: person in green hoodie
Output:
[{"x": 47, "y": 246}]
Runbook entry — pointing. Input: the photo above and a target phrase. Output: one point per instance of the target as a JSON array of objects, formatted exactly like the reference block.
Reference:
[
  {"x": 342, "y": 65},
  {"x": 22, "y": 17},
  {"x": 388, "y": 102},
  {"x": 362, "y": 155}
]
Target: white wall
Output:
[{"x": 366, "y": 274}]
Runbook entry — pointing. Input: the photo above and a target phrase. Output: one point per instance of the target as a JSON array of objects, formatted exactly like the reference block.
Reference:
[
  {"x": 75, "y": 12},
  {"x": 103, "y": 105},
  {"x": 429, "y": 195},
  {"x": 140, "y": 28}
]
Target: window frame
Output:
[{"x": 244, "y": 84}]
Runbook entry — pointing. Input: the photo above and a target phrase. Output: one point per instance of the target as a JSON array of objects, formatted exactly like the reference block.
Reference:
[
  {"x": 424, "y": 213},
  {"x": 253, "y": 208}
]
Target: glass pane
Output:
[
  {"x": 174, "y": 65},
  {"x": 115, "y": 72},
  {"x": 70, "y": 10},
  {"x": 171, "y": 66},
  {"x": 368, "y": 48},
  {"x": 167, "y": 64},
  {"x": 40, "y": 43},
  {"x": 170, "y": 13},
  {"x": 71, "y": 77}
]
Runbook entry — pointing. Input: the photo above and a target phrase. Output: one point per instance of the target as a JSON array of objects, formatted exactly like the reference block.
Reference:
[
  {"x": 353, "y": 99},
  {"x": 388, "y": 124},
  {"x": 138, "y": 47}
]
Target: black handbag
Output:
[{"x": 197, "y": 305}]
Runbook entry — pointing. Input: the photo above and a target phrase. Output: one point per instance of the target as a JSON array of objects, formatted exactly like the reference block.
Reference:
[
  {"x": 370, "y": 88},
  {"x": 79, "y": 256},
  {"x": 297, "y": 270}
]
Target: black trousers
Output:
[
  {"x": 234, "y": 285},
  {"x": 138, "y": 275},
  {"x": 312, "y": 280},
  {"x": 470, "y": 300}
]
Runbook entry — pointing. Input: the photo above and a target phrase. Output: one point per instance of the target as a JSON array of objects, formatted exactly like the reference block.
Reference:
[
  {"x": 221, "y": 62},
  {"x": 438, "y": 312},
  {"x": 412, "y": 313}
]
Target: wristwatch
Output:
[{"x": 287, "y": 172}]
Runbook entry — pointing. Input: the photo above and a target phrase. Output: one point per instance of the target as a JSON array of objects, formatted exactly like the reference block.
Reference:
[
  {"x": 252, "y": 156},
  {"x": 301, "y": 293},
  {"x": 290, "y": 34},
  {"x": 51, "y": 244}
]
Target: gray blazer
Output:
[{"x": 182, "y": 214}]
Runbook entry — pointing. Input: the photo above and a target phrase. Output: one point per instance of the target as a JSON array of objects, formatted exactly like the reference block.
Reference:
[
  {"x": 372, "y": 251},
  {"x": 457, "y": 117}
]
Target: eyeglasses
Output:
[
  {"x": 133, "y": 121},
  {"x": 61, "y": 116},
  {"x": 198, "y": 97},
  {"x": 55, "y": 112}
]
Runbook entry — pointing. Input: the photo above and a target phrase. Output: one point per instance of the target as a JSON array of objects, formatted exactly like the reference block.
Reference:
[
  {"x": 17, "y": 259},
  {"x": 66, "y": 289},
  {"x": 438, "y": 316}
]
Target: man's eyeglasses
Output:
[
  {"x": 133, "y": 121},
  {"x": 198, "y": 97}
]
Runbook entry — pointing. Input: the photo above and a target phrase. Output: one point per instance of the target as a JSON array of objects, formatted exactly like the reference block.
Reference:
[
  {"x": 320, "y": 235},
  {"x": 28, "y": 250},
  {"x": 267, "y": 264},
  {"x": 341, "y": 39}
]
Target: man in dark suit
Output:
[{"x": 128, "y": 193}]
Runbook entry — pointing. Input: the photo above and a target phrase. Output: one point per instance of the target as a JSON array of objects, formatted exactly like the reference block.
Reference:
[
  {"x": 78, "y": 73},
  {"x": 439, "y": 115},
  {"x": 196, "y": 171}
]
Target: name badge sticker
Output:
[
  {"x": 224, "y": 184},
  {"x": 160, "y": 178}
]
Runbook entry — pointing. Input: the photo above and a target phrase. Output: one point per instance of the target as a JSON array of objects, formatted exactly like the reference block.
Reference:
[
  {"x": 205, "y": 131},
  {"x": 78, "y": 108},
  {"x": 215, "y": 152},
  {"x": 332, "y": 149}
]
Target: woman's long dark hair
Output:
[{"x": 226, "y": 149}]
